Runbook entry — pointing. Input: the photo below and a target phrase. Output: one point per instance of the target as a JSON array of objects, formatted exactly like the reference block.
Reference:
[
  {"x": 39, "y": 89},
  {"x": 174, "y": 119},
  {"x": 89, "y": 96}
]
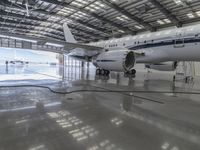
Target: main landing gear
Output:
[
  {"x": 102, "y": 72},
  {"x": 131, "y": 72}
]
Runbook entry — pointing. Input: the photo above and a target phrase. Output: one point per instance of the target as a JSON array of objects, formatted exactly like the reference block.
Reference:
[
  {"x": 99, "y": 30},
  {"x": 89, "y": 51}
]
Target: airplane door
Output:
[{"x": 179, "y": 40}]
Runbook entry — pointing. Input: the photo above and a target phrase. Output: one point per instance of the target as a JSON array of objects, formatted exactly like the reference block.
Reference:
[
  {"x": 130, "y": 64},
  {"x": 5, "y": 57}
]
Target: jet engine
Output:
[
  {"x": 165, "y": 66},
  {"x": 116, "y": 60}
]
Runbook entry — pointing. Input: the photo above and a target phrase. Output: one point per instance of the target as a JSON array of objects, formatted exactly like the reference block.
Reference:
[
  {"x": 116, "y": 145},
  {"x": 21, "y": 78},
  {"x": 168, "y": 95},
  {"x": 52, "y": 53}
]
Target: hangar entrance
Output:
[
  {"x": 21, "y": 65},
  {"x": 25, "y": 66}
]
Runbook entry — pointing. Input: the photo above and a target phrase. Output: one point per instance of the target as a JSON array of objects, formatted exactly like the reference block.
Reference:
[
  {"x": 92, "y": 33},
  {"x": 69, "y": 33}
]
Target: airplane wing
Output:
[
  {"x": 70, "y": 46},
  {"x": 139, "y": 54}
]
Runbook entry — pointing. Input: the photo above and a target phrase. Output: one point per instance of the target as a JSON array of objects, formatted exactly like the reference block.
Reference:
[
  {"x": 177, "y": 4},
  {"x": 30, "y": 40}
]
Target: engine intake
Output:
[
  {"x": 116, "y": 60},
  {"x": 129, "y": 61}
]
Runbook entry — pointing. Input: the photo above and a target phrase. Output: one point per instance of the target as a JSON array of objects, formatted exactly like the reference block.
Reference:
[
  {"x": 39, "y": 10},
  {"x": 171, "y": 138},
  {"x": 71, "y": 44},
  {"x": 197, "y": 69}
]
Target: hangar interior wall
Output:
[{"x": 197, "y": 68}]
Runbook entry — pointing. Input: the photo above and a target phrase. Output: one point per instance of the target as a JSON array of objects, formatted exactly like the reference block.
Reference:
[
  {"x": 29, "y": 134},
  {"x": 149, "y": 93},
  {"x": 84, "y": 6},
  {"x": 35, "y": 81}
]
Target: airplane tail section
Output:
[{"x": 68, "y": 35}]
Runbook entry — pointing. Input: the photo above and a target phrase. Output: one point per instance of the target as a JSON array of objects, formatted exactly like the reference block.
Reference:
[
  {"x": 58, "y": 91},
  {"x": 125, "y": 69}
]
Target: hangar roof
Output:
[{"x": 93, "y": 20}]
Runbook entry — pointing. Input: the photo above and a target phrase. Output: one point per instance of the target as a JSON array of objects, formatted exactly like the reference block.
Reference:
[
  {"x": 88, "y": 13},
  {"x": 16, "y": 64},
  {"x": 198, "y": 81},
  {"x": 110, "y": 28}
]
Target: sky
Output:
[{"x": 27, "y": 55}]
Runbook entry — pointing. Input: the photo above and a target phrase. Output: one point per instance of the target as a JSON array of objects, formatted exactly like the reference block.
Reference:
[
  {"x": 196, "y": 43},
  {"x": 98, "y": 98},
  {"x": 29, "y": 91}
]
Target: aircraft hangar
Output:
[{"x": 99, "y": 74}]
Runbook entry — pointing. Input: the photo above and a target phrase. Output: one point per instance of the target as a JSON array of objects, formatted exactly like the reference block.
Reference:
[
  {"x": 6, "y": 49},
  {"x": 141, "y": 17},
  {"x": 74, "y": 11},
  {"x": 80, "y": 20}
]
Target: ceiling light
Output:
[
  {"x": 178, "y": 2},
  {"x": 160, "y": 22},
  {"x": 81, "y": 1},
  {"x": 121, "y": 31},
  {"x": 190, "y": 15},
  {"x": 99, "y": 4},
  {"x": 125, "y": 17},
  {"x": 77, "y": 3},
  {"x": 167, "y": 20},
  {"x": 139, "y": 26},
  {"x": 198, "y": 13}
]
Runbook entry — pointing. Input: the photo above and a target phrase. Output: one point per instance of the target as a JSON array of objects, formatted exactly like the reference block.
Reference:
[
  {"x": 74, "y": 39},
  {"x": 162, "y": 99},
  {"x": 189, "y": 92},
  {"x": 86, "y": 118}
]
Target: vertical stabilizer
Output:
[{"x": 68, "y": 35}]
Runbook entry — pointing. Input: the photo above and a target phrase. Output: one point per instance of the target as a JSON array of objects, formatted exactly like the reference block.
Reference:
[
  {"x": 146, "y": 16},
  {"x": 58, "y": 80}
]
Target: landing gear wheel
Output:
[
  {"x": 127, "y": 72},
  {"x": 133, "y": 72},
  {"x": 107, "y": 73},
  {"x": 98, "y": 71},
  {"x": 174, "y": 78},
  {"x": 103, "y": 72}
]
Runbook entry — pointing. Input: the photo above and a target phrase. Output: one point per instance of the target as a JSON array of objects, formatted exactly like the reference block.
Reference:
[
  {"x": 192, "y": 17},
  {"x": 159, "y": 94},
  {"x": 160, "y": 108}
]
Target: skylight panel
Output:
[
  {"x": 99, "y": 4},
  {"x": 198, "y": 13},
  {"x": 182, "y": 2},
  {"x": 81, "y": 1},
  {"x": 90, "y": 9},
  {"x": 125, "y": 17},
  {"x": 121, "y": 31},
  {"x": 94, "y": 6},
  {"x": 163, "y": 21},
  {"x": 45, "y": 23},
  {"x": 190, "y": 15},
  {"x": 122, "y": 18},
  {"x": 167, "y": 20},
  {"x": 39, "y": 28},
  {"x": 77, "y": 3},
  {"x": 160, "y": 22},
  {"x": 178, "y": 2},
  {"x": 139, "y": 26}
]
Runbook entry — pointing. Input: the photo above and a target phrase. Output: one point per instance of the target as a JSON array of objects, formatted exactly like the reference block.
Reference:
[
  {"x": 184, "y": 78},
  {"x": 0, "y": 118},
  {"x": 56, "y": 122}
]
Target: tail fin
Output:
[{"x": 68, "y": 35}]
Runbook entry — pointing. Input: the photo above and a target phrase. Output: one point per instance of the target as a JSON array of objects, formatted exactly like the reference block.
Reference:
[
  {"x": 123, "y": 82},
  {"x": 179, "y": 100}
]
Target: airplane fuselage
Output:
[{"x": 178, "y": 44}]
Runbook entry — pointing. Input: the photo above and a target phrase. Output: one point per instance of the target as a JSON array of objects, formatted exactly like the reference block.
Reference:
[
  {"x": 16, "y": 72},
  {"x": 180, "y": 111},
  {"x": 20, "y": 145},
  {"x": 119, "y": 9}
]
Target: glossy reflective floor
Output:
[{"x": 36, "y": 119}]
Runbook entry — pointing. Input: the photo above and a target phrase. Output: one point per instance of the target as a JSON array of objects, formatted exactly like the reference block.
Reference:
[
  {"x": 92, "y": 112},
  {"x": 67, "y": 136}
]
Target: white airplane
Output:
[{"x": 160, "y": 50}]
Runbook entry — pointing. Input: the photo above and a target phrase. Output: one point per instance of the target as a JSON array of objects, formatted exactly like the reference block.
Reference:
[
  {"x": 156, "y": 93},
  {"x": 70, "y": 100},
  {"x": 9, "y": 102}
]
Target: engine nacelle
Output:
[
  {"x": 165, "y": 66},
  {"x": 116, "y": 60}
]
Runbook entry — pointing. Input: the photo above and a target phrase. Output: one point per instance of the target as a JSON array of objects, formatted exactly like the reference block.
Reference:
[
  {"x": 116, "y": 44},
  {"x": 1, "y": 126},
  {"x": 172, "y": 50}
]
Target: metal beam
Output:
[
  {"x": 42, "y": 26},
  {"x": 39, "y": 20},
  {"x": 60, "y": 36},
  {"x": 25, "y": 30},
  {"x": 94, "y": 15},
  {"x": 129, "y": 15},
  {"x": 166, "y": 12},
  {"x": 53, "y": 15}
]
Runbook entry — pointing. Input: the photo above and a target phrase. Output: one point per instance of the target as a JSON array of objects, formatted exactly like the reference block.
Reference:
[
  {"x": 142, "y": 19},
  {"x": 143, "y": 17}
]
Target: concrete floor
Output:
[{"x": 36, "y": 119}]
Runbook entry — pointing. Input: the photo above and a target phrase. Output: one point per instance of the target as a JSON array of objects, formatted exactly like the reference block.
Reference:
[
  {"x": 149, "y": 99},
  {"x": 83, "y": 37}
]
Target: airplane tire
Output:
[
  {"x": 103, "y": 72},
  {"x": 98, "y": 71},
  {"x": 108, "y": 73},
  {"x": 133, "y": 72}
]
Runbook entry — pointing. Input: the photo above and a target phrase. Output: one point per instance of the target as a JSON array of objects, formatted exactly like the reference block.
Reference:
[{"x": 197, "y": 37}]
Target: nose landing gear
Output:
[
  {"x": 130, "y": 74},
  {"x": 102, "y": 72}
]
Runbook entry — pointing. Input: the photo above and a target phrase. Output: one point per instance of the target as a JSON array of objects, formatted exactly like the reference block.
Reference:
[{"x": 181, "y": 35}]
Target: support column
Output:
[
  {"x": 82, "y": 64},
  {"x": 88, "y": 64},
  {"x": 61, "y": 62}
]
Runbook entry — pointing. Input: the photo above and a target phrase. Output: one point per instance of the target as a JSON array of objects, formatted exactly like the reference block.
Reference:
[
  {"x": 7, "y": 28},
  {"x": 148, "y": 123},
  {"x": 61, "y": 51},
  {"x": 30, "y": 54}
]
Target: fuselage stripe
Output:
[{"x": 164, "y": 43}]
